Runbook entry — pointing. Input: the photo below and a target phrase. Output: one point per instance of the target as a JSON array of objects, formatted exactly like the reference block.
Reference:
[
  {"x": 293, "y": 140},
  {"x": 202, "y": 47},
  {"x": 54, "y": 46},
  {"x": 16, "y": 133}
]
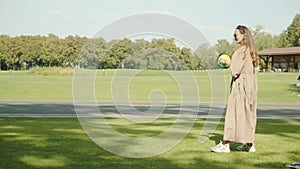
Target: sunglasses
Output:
[{"x": 236, "y": 35}]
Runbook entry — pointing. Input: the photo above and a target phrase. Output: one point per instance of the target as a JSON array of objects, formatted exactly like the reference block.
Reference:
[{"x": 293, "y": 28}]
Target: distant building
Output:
[{"x": 281, "y": 59}]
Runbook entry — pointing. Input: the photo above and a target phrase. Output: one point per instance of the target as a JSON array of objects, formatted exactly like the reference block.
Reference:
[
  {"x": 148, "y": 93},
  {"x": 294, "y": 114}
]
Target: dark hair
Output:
[
  {"x": 249, "y": 43},
  {"x": 241, "y": 28}
]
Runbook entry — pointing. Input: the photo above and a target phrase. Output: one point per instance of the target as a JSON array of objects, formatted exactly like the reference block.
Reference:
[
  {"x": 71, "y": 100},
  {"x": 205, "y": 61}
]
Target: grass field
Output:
[
  {"x": 61, "y": 143},
  {"x": 273, "y": 87}
]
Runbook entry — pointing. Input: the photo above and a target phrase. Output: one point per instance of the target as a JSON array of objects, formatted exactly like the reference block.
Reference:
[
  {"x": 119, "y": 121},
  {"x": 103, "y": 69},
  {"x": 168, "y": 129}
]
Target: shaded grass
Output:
[{"x": 61, "y": 143}]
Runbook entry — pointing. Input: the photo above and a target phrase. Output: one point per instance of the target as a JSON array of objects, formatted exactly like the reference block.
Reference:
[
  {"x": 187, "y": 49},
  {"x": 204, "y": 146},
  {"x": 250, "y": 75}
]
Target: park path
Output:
[{"x": 63, "y": 108}]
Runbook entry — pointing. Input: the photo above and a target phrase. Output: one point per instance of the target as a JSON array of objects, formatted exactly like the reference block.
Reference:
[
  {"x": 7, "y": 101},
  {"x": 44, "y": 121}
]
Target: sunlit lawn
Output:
[{"x": 273, "y": 87}]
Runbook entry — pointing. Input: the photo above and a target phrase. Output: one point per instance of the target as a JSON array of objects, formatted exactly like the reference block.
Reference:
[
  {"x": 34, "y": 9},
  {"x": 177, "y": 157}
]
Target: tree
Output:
[
  {"x": 293, "y": 32},
  {"x": 207, "y": 55},
  {"x": 262, "y": 39},
  {"x": 186, "y": 56},
  {"x": 196, "y": 62},
  {"x": 117, "y": 53},
  {"x": 166, "y": 44},
  {"x": 142, "y": 44},
  {"x": 280, "y": 41},
  {"x": 14, "y": 53},
  {"x": 92, "y": 54},
  {"x": 71, "y": 50},
  {"x": 223, "y": 46},
  {"x": 4, "y": 40},
  {"x": 155, "y": 59}
]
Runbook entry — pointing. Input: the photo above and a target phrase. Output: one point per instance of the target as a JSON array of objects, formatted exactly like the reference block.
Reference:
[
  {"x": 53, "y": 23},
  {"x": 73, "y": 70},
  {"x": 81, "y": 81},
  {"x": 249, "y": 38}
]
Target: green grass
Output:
[
  {"x": 61, "y": 143},
  {"x": 278, "y": 88},
  {"x": 25, "y": 86},
  {"x": 273, "y": 87}
]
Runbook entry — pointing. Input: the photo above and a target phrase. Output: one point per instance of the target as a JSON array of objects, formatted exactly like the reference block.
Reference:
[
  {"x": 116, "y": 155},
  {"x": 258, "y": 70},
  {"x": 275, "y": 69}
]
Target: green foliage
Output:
[
  {"x": 223, "y": 46},
  {"x": 117, "y": 53},
  {"x": 91, "y": 53},
  {"x": 293, "y": 32},
  {"x": 154, "y": 59},
  {"x": 262, "y": 39},
  {"x": 207, "y": 55},
  {"x": 25, "y": 52},
  {"x": 196, "y": 62},
  {"x": 51, "y": 71},
  {"x": 280, "y": 41}
]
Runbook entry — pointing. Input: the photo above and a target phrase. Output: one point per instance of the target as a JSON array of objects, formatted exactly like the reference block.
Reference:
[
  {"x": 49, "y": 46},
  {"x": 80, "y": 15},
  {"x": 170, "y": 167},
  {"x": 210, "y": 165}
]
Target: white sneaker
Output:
[
  {"x": 221, "y": 148},
  {"x": 245, "y": 147}
]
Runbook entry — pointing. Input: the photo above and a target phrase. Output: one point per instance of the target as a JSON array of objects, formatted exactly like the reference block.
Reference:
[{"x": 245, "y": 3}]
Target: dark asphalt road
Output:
[{"x": 60, "y": 108}]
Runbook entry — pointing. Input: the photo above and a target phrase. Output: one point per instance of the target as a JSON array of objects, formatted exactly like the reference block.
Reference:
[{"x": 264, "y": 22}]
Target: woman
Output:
[{"x": 240, "y": 119}]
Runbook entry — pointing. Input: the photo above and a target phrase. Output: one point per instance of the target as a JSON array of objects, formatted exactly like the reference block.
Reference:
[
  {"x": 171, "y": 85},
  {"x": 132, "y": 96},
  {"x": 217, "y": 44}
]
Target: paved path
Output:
[{"x": 58, "y": 108}]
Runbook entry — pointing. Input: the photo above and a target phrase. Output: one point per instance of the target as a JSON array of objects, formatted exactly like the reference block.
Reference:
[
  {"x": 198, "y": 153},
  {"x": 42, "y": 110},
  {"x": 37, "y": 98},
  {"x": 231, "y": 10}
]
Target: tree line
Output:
[{"x": 25, "y": 52}]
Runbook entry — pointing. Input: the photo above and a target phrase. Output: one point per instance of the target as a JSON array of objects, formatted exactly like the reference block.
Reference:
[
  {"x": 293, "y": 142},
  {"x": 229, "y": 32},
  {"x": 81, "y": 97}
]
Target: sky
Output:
[{"x": 216, "y": 19}]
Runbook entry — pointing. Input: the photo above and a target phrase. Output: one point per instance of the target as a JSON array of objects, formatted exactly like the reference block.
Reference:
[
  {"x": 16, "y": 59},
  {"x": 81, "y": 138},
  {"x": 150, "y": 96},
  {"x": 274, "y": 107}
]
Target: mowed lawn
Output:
[
  {"x": 62, "y": 143},
  {"x": 273, "y": 87}
]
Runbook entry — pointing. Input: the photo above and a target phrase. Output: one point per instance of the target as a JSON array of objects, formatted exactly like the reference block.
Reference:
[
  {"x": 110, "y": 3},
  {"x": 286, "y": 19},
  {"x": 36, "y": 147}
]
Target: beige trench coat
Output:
[{"x": 240, "y": 119}]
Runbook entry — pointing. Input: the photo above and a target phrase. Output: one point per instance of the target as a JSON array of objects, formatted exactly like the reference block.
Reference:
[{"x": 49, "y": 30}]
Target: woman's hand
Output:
[{"x": 224, "y": 61}]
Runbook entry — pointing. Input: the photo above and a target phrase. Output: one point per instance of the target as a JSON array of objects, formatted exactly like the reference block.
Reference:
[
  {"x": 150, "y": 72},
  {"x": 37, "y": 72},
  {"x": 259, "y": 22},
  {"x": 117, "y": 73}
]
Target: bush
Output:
[{"x": 51, "y": 71}]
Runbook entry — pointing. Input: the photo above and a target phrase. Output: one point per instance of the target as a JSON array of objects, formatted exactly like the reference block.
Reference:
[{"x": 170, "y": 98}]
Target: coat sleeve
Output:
[{"x": 237, "y": 63}]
